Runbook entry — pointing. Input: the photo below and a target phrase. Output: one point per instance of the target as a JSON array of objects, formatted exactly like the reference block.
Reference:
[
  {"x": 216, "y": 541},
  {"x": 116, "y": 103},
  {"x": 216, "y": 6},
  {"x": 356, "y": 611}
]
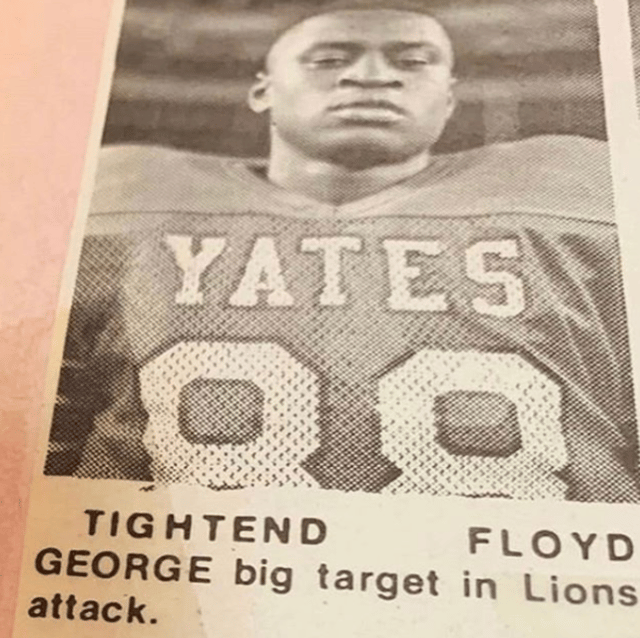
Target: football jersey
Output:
[{"x": 460, "y": 333}]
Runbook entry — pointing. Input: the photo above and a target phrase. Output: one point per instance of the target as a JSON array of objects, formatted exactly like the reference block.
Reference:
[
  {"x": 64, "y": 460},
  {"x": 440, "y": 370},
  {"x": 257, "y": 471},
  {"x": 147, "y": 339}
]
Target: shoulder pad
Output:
[
  {"x": 151, "y": 178},
  {"x": 557, "y": 175}
]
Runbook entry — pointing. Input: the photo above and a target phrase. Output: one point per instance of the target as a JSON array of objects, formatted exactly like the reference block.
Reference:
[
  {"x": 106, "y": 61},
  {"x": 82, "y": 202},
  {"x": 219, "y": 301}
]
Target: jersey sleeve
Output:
[
  {"x": 608, "y": 294},
  {"x": 605, "y": 469},
  {"x": 616, "y": 325},
  {"x": 80, "y": 397},
  {"x": 97, "y": 427}
]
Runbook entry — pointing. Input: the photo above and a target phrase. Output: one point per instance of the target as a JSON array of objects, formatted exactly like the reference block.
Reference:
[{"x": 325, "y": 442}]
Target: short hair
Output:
[{"x": 294, "y": 18}]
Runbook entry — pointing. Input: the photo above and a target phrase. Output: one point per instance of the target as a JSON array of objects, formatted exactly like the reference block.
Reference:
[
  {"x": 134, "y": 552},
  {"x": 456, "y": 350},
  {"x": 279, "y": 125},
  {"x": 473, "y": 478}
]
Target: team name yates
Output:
[{"x": 263, "y": 277}]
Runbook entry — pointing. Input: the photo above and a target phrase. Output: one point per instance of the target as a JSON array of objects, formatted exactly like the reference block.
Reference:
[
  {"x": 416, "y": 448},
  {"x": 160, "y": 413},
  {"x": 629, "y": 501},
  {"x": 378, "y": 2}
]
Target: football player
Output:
[{"x": 355, "y": 313}]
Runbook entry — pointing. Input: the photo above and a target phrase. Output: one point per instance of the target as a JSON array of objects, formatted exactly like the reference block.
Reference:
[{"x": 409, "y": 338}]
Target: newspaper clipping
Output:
[{"x": 344, "y": 346}]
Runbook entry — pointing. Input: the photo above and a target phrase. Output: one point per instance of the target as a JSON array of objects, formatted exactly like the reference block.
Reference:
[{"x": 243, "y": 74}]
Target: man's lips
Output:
[{"x": 368, "y": 105}]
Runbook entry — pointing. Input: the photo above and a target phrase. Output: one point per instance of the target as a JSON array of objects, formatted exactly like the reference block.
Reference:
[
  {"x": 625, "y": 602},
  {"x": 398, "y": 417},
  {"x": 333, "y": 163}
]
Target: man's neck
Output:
[{"x": 336, "y": 184}]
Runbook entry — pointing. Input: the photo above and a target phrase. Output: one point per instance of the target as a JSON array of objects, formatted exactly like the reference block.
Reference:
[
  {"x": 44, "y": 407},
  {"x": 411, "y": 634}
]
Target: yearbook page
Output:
[{"x": 347, "y": 329}]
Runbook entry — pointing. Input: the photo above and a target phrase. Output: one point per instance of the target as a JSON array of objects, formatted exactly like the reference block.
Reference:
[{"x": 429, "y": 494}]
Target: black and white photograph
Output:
[
  {"x": 364, "y": 246},
  {"x": 634, "y": 18}
]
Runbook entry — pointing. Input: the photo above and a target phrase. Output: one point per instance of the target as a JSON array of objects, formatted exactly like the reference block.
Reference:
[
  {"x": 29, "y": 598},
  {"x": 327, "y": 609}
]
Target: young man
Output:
[{"x": 358, "y": 314}]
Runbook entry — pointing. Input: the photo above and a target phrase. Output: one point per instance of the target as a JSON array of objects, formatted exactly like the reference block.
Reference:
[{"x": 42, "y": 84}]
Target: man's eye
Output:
[
  {"x": 329, "y": 61},
  {"x": 417, "y": 61},
  {"x": 414, "y": 62}
]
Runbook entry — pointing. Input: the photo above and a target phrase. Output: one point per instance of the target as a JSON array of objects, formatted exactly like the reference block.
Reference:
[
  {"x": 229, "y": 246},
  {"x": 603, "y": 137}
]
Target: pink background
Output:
[{"x": 50, "y": 57}]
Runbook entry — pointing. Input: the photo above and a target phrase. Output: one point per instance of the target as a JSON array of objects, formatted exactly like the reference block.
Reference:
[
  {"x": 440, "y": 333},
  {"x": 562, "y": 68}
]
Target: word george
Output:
[{"x": 81, "y": 563}]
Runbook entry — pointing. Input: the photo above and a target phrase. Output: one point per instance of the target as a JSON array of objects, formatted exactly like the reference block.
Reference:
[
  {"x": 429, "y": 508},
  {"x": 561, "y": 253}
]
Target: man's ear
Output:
[
  {"x": 259, "y": 93},
  {"x": 453, "y": 98}
]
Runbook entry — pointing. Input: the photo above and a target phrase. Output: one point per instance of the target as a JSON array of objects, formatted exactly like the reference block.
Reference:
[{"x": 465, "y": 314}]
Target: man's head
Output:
[{"x": 359, "y": 84}]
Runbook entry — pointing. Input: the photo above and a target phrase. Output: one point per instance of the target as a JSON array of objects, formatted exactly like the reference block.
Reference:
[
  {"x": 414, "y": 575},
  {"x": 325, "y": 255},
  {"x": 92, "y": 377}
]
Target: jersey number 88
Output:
[{"x": 406, "y": 399}]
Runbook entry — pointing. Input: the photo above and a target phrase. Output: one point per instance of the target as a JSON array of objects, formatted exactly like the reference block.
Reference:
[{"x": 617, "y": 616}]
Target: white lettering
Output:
[
  {"x": 512, "y": 285},
  {"x": 401, "y": 275},
  {"x": 263, "y": 273},
  {"x": 331, "y": 248},
  {"x": 193, "y": 265}
]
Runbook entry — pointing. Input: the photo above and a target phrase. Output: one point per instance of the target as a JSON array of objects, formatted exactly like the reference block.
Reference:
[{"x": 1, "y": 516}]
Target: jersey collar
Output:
[{"x": 246, "y": 172}]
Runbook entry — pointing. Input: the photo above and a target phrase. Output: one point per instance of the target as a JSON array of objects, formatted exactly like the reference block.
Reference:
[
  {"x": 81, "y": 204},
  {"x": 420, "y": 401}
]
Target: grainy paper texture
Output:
[{"x": 343, "y": 344}]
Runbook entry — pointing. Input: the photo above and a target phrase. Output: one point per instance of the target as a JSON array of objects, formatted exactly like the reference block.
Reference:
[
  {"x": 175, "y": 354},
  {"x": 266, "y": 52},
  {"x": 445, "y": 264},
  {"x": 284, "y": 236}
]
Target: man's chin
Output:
[
  {"x": 365, "y": 154},
  {"x": 358, "y": 147}
]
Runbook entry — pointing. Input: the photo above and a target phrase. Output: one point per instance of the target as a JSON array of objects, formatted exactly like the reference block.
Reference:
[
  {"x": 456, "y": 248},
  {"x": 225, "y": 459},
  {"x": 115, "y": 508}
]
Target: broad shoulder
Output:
[
  {"x": 133, "y": 161},
  {"x": 555, "y": 148},
  {"x": 554, "y": 175},
  {"x": 546, "y": 157},
  {"x": 152, "y": 178}
]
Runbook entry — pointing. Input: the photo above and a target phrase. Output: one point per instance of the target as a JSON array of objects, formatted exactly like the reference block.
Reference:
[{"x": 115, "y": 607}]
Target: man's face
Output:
[{"x": 359, "y": 88}]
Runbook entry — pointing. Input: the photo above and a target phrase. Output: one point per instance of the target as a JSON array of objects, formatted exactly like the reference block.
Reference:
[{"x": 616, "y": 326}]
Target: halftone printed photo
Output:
[
  {"x": 356, "y": 246},
  {"x": 634, "y": 16}
]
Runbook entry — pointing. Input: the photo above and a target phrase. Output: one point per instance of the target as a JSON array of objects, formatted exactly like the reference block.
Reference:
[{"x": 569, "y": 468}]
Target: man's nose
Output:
[{"x": 371, "y": 70}]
